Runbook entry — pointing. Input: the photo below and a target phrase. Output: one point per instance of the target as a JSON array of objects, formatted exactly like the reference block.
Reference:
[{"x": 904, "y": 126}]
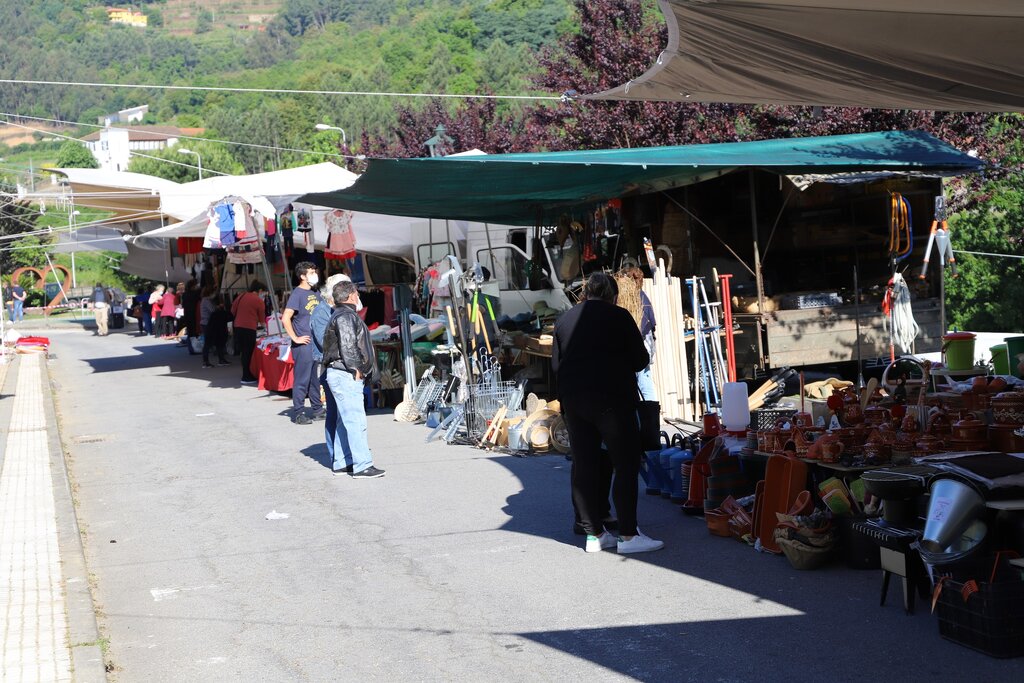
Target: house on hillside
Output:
[
  {"x": 127, "y": 16},
  {"x": 113, "y": 146},
  {"x": 130, "y": 115}
]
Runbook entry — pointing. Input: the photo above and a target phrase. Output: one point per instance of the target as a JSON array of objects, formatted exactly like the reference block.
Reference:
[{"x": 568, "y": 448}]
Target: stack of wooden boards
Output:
[{"x": 670, "y": 370}]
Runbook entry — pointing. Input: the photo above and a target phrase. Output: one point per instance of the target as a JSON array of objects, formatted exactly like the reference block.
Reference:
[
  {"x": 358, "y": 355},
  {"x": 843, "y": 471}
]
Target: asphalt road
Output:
[{"x": 458, "y": 565}]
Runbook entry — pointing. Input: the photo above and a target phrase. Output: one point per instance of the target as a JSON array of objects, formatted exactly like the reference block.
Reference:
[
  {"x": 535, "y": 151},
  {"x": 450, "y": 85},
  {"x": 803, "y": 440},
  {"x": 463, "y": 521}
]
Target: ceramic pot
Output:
[
  {"x": 876, "y": 415},
  {"x": 1004, "y": 440},
  {"x": 969, "y": 429},
  {"x": 962, "y": 445},
  {"x": 939, "y": 425},
  {"x": 878, "y": 451},
  {"x": 997, "y": 385},
  {"x": 928, "y": 444},
  {"x": 803, "y": 420},
  {"x": 1008, "y": 408}
]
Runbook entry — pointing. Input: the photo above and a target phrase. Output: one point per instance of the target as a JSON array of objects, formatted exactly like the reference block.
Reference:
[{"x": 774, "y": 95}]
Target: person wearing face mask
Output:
[{"x": 296, "y": 319}]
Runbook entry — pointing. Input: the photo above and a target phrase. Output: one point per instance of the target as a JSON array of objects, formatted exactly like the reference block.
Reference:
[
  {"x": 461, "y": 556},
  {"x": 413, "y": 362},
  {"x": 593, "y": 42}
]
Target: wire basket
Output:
[{"x": 483, "y": 403}]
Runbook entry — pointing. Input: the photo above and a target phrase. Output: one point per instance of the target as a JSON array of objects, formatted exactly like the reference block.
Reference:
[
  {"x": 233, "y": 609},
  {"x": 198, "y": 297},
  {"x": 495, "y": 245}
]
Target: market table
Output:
[{"x": 272, "y": 373}]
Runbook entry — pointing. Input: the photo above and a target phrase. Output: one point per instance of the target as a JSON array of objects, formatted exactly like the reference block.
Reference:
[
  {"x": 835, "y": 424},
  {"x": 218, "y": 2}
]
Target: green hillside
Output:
[{"x": 443, "y": 46}]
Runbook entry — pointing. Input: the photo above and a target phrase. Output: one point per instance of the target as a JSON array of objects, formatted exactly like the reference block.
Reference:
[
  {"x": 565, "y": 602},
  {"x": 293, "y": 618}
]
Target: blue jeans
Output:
[
  {"x": 645, "y": 383},
  {"x": 345, "y": 427},
  {"x": 19, "y": 311}
]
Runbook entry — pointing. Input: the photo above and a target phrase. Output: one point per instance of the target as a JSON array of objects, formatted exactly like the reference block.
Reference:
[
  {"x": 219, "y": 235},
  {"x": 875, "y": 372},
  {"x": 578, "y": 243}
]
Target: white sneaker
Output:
[
  {"x": 639, "y": 544},
  {"x": 596, "y": 544}
]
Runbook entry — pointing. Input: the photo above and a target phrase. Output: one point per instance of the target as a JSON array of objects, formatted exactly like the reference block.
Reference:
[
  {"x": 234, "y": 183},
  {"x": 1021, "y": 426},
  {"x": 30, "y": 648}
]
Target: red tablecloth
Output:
[{"x": 273, "y": 373}]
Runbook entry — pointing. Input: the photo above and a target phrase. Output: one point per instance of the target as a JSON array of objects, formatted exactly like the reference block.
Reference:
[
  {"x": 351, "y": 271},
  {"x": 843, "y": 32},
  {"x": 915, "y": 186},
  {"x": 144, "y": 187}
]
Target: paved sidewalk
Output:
[{"x": 35, "y": 640}]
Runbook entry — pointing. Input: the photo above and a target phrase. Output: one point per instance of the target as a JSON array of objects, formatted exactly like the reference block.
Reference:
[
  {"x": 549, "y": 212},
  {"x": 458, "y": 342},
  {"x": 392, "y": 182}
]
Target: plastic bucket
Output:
[
  {"x": 952, "y": 508},
  {"x": 959, "y": 350},
  {"x": 1014, "y": 347},
  {"x": 1000, "y": 359}
]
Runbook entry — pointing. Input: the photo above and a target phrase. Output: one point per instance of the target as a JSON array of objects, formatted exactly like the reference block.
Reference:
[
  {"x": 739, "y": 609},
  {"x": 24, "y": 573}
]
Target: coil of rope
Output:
[{"x": 901, "y": 233}]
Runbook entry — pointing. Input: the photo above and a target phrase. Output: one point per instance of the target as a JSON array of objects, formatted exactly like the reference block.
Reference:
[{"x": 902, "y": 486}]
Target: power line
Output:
[
  {"x": 192, "y": 137},
  {"x": 986, "y": 253},
  {"x": 286, "y": 91}
]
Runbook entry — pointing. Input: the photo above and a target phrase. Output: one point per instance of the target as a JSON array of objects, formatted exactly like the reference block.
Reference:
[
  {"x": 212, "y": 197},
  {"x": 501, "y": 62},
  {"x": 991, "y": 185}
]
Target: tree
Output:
[
  {"x": 18, "y": 249},
  {"x": 172, "y": 164},
  {"x": 73, "y": 154},
  {"x": 204, "y": 21},
  {"x": 987, "y": 294}
]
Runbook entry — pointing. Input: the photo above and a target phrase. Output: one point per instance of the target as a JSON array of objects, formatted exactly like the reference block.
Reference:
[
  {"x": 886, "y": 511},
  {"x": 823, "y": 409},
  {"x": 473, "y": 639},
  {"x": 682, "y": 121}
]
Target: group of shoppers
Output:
[{"x": 331, "y": 348}]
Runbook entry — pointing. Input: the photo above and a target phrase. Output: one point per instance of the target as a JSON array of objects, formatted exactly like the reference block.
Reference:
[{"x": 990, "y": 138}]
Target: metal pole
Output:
[
  {"x": 856, "y": 312},
  {"x": 490, "y": 250},
  {"x": 57, "y": 279}
]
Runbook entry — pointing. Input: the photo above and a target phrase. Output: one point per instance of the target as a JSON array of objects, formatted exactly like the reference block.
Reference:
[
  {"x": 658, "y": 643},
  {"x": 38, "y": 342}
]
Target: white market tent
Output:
[{"x": 185, "y": 202}]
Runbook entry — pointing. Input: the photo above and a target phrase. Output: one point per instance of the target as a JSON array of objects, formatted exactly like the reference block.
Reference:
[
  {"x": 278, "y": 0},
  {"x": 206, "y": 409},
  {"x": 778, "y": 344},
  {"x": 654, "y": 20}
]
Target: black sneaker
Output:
[
  {"x": 301, "y": 418},
  {"x": 344, "y": 470},
  {"x": 320, "y": 414},
  {"x": 370, "y": 472}
]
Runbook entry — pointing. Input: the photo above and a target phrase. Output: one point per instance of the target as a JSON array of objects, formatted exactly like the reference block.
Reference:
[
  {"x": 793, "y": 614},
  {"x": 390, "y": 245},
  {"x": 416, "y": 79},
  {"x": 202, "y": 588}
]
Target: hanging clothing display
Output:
[{"x": 341, "y": 240}]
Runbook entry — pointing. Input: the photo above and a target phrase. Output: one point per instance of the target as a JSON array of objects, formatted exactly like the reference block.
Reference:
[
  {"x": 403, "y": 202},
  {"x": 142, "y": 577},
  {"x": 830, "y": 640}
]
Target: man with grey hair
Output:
[
  {"x": 350, "y": 362},
  {"x": 318, "y": 324}
]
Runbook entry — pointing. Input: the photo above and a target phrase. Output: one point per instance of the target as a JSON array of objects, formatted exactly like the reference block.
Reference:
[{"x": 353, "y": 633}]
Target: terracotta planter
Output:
[
  {"x": 1008, "y": 408},
  {"x": 940, "y": 425},
  {"x": 928, "y": 444},
  {"x": 963, "y": 445}
]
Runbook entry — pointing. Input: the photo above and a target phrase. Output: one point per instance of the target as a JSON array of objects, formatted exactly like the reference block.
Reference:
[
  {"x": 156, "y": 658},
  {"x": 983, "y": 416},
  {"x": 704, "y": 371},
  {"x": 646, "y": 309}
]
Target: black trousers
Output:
[
  {"x": 607, "y": 472},
  {"x": 307, "y": 379},
  {"x": 592, "y": 420},
  {"x": 246, "y": 344}
]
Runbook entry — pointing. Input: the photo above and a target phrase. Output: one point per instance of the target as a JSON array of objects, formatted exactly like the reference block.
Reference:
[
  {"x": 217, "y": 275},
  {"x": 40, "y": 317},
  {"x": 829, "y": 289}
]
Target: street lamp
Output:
[
  {"x": 74, "y": 234},
  {"x": 199, "y": 159},
  {"x": 324, "y": 126},
  {"x": 439, "y": 144}
]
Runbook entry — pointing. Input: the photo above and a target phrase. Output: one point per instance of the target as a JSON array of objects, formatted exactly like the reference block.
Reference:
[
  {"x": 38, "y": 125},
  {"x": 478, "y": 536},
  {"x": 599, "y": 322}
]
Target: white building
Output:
[
  {"x": 112, "y": 146},
  {"x": 130, "y": 115}
]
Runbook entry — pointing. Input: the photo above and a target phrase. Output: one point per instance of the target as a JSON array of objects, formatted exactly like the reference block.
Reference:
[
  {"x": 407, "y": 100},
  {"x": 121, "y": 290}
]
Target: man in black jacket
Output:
[
  {"x": 597, "y": 352},
  {"x": 349, "y": 362}
]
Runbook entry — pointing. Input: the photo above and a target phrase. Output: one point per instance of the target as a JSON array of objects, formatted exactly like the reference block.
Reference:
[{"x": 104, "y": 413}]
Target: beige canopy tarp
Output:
[{"x": 950, "y": 55}]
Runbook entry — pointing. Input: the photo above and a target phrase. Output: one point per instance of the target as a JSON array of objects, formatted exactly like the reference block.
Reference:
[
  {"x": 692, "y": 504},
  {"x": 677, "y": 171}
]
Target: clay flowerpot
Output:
[
  {"x": 980, "y": 385},
  {"x": 1008, "y": 408}
]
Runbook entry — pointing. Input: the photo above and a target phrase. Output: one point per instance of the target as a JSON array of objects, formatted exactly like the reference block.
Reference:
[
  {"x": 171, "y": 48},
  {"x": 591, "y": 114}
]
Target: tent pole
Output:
[{"x": 758, "y": 280}]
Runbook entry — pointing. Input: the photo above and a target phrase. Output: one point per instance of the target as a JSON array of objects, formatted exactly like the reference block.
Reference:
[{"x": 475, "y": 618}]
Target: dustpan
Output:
[{"x": 785, "y": 477}]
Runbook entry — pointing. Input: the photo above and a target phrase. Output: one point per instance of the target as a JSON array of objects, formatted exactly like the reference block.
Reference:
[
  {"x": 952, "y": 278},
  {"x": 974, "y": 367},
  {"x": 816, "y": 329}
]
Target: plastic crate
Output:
[
  {"x": 765, "y": 418},
  {"x": 989, "y": 620}
]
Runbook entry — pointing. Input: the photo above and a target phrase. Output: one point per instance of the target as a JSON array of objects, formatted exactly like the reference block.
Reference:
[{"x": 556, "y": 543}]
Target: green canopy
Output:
[{"x": 522, "y": 189}]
